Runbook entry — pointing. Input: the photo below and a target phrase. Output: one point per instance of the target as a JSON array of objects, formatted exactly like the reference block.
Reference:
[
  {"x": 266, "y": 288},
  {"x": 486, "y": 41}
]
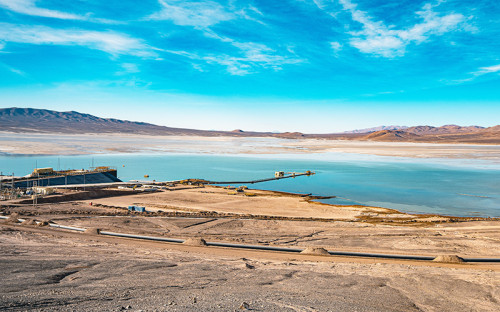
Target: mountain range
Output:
[
  {"x": 375, "y": 129},
  {"x": 33, "y": 120}
]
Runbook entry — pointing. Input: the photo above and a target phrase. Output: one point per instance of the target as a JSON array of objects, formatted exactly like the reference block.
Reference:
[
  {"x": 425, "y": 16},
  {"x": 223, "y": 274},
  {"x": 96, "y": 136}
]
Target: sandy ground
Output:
[
  {"x": 220, "y": 200},
  {"x": 271, "y": 218},
  {"x": 59, "y": 144},
  {"x": 46, "y": 269}
]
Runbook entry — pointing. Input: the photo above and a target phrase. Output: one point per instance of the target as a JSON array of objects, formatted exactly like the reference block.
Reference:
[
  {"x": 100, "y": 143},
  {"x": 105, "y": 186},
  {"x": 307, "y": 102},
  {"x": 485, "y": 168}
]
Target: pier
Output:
[{"x": 279, "y": 175}]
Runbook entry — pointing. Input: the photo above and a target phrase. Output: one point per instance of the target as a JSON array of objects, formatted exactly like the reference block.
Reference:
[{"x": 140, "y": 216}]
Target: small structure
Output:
[
  {"x": 43, "y": 190},
  {"x": 279, "y": 174},
  {"x": 42, "y": 171},
  {"x": 136, "y": 208}
]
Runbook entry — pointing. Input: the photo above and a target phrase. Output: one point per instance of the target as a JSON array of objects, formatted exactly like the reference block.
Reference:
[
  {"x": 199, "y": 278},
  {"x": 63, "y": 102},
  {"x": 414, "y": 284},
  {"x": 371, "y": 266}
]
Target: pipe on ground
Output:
[{"x": 267, "y": 248}]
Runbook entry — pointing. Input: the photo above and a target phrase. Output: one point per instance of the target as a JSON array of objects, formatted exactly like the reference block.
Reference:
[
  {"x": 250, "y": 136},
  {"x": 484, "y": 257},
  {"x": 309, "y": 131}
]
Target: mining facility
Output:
[{"x": 46, "y": 177}]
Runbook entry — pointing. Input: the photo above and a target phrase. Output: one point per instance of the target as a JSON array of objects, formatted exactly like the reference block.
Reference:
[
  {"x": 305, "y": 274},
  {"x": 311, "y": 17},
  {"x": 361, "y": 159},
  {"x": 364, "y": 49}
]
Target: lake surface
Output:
[{"x": 440, "y": 186}]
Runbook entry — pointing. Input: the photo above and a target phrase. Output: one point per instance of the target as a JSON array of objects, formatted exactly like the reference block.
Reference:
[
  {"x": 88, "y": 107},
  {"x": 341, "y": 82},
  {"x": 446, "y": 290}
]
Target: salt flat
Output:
[{"x": 76, "y": 144}]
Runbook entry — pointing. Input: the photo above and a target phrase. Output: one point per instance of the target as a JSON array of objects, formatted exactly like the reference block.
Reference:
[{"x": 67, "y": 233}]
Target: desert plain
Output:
[
  {"x": 53, "y": 269},
  {"x": 50, "y": 269},
  {"x": 85, "y": 144}
]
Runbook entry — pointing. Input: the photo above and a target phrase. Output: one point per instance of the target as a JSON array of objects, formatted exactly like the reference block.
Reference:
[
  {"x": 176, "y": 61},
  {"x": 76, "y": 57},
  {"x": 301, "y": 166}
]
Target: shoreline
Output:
[
  {"x": 109, "y": 212},
  {"x": 201, "y": 195},
  {"x": 314, "y": 200}
]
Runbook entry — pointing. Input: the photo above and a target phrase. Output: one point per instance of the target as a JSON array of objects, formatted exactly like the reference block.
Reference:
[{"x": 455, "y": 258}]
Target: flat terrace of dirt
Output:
[
  {"x": 194, "y": 212},
  {"x": 217, "y": 200},
  {"x": 53, "y": 270},
  {"x": 57, "y": 270}
]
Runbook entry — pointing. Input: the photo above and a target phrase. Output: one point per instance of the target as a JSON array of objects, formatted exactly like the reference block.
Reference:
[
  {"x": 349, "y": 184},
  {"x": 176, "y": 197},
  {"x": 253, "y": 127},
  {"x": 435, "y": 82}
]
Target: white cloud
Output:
[
  {"x": 128, "y": 68},
  {"x": 202, "y": 15},
  {"x": 197, "y": 14},
  {"x": 254, "y": 56},
  {"x": 336, "y": 46},
  {"x": 327, "y": 6},
  {"x": 376, "y": 38},
  {"x": 29, "y": 7},
  {"x": 108, "y": 41},
  {"x": 13, "y": 70},
  {"x": 487, "y": 70},
  {"x": 476, "y": 74}
]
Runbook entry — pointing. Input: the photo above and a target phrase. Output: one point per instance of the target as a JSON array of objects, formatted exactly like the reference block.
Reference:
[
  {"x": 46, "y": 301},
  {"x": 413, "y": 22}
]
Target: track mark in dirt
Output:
[
  {"x": 284, "y": 277},
  {"x": 296, "y": 239},
  {"x": 199, "y": 223},
  {"x": 296, "y": 308},
  {"x": 57, "y": 278}
]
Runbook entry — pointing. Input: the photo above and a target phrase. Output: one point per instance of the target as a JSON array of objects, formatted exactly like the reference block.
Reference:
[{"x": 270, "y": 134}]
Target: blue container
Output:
[
  {"x": 140, "y": 209},
  {"x": 131, "y": 208}
]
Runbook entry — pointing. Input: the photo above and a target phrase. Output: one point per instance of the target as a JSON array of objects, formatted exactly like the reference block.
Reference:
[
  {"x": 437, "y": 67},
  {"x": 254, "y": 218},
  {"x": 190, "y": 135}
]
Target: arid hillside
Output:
[
  {"x": 30, "y": 120},
  {"x": 444, "y": 134}
]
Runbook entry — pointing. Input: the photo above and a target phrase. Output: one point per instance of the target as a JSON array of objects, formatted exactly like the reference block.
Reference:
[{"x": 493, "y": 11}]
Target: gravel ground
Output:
[{"x": 44, "y": 272}]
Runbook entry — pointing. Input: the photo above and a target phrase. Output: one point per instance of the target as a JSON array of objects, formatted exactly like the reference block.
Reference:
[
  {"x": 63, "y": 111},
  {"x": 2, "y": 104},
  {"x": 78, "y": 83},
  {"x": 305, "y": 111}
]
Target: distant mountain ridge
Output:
[
  {"x": 421, "y": 129},
  {"x": 43, "y": 120},
  {"x": 375, "y": 129},
  {"x": 48, "y": 121},
  {"x": 447, "y": 129},
  {"x": 444, "y": 134},
  {"x": 35, "y": 120}
]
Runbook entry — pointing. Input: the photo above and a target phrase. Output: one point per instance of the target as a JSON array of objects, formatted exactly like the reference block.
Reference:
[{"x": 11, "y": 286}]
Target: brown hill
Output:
[
  {"x": 445, "y": 134},
  {"x": 447, "y": 129},
  {"x": 390, "y": 135},
  {"x": 48, "y": 121}
]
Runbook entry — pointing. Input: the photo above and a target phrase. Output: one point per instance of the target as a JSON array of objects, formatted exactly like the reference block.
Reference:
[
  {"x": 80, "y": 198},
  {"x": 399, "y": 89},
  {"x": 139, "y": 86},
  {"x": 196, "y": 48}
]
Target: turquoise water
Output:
[{"x": 464, "y": 188}]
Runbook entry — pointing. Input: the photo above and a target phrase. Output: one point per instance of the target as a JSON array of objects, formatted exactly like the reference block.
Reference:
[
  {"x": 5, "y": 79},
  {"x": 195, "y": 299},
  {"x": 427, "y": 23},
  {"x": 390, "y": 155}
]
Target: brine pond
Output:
[{"x": 437, "y": 186}]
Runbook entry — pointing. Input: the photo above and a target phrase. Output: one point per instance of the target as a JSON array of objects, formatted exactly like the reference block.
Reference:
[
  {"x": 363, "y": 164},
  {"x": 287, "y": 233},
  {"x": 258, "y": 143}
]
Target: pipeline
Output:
[
  {"x": 267, "y": 248},
  {"x": 308, "y": 173}
]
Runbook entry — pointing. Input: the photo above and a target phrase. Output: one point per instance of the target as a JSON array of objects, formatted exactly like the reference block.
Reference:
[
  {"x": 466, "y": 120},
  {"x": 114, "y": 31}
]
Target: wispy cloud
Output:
[
  {"x": 29, "y": 7},
  {"x": 203, "y": 16},
  {"x": 487, "y": 70},
  {"x": 254, "y": 56},
  {"x": 12, "y": 69},
  {"x": 110, "y": 42},
  {"x": 197, "y": 14},
  {"x": 336, "y": 47},
  {"x": 378, "y": 39},
  {"x": 481, "y": 71},
  {"x": 128, "y": 68}
]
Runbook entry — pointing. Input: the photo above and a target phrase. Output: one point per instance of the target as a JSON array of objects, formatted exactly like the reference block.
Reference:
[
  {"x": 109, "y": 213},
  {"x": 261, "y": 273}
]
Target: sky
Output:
[{"x": 314, "y": 66}]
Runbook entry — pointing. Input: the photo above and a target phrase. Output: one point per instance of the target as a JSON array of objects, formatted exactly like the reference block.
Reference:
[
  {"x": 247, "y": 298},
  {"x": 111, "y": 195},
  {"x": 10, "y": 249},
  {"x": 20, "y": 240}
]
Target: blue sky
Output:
[{"x": 289, "y": 65}]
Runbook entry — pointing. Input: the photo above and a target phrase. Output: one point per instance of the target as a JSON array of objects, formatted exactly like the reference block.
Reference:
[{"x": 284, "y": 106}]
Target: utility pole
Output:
[
  {"x": 12, "y": 187},
  {"x": 35, "y": 195}
]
